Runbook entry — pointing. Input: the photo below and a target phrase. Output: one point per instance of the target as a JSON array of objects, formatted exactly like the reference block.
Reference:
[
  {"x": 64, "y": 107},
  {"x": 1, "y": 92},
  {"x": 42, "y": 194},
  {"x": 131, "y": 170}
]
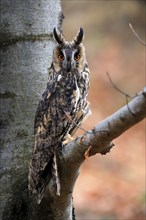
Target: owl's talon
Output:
[{"x": 68, "y": 139}]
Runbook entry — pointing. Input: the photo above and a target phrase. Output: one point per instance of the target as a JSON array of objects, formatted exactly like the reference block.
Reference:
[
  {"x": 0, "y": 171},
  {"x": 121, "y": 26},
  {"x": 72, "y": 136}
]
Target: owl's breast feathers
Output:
[{"x": 61, "y": 109}]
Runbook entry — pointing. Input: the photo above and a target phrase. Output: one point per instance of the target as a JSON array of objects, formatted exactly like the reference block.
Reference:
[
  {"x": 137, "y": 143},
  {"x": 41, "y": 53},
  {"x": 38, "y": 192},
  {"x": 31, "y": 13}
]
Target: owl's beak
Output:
[{"x": 68, "y": 66}]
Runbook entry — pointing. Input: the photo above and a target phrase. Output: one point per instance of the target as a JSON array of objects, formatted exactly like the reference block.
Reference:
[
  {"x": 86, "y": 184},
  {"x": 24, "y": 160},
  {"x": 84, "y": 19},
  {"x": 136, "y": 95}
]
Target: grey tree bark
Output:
[{"x": 26, "y": 51}]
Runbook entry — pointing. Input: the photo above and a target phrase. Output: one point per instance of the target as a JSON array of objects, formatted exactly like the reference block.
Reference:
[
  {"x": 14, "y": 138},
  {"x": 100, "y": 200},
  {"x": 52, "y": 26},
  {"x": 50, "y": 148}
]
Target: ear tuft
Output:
[
  {"x": 79, "y": 38},
  {"x": 58, "y": 36}
]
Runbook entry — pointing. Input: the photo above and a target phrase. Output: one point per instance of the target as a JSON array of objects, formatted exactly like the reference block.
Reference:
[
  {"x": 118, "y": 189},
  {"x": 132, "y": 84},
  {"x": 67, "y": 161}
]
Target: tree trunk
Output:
[{"x": 26, "y": 52}]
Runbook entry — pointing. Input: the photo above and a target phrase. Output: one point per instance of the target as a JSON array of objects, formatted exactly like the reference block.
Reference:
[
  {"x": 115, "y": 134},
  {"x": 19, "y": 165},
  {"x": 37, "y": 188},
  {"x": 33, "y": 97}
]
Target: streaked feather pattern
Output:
[{"x": 61, "y": 110}]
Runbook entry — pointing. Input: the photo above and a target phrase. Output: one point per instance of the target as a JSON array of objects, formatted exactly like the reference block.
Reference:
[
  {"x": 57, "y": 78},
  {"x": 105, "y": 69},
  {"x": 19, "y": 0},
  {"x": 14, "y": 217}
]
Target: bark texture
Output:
[{"x": 26, "y": 52}]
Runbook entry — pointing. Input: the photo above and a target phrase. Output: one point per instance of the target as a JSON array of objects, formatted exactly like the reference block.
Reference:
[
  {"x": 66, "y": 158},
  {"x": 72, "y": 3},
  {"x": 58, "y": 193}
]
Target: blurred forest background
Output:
[{"x": 112, "y": 186}]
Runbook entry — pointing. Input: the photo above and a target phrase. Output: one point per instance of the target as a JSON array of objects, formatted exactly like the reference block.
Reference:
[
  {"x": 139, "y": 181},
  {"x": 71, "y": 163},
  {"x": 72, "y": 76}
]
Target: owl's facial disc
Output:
[{"x": 71, "y": 59}]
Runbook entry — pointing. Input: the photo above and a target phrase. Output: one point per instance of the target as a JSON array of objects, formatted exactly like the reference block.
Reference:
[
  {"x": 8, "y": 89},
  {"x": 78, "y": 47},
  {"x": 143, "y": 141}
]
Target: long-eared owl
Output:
[{"x": 60, "y": 112}]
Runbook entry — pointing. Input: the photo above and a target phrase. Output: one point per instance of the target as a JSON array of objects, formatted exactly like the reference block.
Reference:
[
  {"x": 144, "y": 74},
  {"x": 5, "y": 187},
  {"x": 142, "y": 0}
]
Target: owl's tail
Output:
[
  {"x": 38, "y": 182},
  {"x": 55, "y": 174}
]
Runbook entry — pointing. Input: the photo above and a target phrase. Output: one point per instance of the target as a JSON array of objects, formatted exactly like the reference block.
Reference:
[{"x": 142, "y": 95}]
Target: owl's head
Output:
[{"x": 69, "y": 56}]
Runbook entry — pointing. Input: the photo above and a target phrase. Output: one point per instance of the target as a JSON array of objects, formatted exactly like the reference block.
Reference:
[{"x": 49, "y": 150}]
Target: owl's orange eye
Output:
[
  {"x": 77, "y": 56},
  {"x": 61, "y": 57}
]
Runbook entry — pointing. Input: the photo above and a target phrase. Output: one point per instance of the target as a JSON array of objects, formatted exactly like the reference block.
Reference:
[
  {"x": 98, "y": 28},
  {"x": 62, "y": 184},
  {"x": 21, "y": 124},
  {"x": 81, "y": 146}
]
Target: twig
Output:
[
  {"x": 136, "y": 35},
  {"x": 119, "y": 90},
  {"x": 74, "y": 122}
]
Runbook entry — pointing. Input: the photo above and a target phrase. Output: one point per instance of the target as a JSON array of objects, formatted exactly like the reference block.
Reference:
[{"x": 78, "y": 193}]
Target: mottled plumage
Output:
[{"x": 61, "y": 110}]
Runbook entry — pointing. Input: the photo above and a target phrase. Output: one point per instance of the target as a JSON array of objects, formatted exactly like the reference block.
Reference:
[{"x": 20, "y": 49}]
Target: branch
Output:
[{"x": 101, "y": 136}]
